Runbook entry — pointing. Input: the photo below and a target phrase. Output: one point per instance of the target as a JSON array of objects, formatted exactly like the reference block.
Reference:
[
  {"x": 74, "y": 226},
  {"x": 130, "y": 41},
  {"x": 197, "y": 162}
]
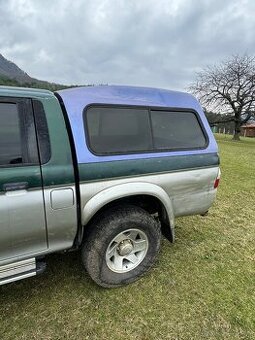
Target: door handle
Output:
[{"x": 15, "y": 186}]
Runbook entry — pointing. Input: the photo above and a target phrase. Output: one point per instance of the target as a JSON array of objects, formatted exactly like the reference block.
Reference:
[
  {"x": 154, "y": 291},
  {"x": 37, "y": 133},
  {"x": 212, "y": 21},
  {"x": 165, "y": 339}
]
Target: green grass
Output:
[{"x": 202, "y": 287}]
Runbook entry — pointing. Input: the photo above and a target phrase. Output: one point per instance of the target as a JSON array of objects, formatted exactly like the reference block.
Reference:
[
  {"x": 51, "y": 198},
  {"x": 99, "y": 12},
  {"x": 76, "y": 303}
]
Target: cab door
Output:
[{"x": 22, "y": 215}]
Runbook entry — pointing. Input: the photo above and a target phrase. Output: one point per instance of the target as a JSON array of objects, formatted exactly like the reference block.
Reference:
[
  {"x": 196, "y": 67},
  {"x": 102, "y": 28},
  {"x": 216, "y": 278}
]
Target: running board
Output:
[{"x": 20, "y": 270}]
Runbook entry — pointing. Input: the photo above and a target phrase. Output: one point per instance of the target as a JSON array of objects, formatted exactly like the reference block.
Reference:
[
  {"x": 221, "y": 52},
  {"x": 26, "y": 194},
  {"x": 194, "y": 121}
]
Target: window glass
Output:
[
  {"x": 42, "y": 132},
  {"x": 118, "y": 130},
  {"x": 10, "y": 137},
  {"x": 176, "y": 130}
]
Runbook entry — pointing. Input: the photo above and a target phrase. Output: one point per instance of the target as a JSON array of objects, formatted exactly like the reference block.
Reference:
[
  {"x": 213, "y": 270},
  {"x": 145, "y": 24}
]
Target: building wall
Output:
[{"x": 248, "y": 131}]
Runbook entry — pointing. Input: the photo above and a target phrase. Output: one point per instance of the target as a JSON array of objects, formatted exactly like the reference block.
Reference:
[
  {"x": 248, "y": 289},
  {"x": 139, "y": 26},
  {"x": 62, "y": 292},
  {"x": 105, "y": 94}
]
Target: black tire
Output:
[{"x": 101, "y": 234}]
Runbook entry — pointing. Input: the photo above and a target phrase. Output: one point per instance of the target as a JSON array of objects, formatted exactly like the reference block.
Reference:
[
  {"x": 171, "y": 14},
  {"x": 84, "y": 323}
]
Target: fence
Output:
[{"x": 246, "y": 131}]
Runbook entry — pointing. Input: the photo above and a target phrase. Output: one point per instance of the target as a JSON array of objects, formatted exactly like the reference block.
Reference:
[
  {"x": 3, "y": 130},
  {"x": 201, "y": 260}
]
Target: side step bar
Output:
[{"x": 20, "y": 270}]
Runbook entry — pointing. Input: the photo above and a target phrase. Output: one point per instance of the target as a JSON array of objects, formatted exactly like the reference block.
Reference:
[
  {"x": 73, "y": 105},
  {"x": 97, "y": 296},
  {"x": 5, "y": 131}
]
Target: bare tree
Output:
[{"x": 229, "y": 88}]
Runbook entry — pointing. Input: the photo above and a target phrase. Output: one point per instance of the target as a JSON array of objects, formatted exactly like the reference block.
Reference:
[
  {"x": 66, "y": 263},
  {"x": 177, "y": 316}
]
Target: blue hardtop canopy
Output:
[
  {"x": 78, "y": 98},
  {"x": 126, "y": 95}
]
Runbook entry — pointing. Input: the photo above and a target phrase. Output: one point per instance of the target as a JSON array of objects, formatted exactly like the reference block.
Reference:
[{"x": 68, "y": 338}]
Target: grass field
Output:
[{"x": 202, "y": 287}]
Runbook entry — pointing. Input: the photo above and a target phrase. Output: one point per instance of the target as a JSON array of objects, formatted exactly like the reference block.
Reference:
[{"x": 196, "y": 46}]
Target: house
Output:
[{"x": 248, "y": 130}]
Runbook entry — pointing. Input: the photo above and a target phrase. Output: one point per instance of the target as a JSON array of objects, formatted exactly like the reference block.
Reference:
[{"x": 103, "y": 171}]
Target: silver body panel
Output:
[
  {"x": 36, "y": 228},
  {"x": 182, "y": 192},
  {"x": 61, "y": 217},
  {"x": 22, "y": 224}
]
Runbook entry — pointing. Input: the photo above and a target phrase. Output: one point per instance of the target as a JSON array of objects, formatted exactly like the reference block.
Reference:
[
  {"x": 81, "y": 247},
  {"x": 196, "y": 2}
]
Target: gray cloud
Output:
[{"x": 147, "y": 42}]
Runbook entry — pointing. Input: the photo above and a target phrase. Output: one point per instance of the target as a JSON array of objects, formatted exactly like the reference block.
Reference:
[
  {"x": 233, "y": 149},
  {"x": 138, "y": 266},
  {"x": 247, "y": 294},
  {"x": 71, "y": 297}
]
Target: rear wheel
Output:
[{"x": 121, "y": 246}]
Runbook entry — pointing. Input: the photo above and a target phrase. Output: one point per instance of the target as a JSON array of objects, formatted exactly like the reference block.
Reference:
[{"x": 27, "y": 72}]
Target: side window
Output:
[
  {"x": 42, "y": 132},
  {"x": 116, "y": 130},
  {"x": 176, "y": 130},
  {"x": 10, "y": 135},
  {"x": 18, "y": 144}
]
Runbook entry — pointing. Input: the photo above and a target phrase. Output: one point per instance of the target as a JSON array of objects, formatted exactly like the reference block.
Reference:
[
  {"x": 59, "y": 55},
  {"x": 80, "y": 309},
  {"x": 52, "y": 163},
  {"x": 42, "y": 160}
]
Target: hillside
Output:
[
  {"x": 10, "y": 70},
  {"x": 12, "y": 75}
]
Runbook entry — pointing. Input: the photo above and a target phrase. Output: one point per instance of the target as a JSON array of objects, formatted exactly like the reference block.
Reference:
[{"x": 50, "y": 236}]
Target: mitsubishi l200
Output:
[{"x": 103, "y": 169}]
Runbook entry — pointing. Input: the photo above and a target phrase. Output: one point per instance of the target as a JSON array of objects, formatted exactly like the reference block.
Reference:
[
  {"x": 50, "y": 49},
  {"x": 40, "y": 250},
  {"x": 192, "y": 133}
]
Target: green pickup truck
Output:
[{"x": 104, "y": 170}]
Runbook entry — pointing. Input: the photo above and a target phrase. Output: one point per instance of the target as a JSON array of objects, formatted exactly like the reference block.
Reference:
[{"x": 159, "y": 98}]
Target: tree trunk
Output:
[
  {"x": 237, "y": 127},
  {"x": 236, "y": 136}
]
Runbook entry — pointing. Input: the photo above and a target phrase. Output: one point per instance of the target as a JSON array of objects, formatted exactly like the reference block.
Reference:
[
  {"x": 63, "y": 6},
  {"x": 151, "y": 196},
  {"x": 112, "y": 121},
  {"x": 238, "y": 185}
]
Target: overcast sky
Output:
[{"x": 160, "y": 43}]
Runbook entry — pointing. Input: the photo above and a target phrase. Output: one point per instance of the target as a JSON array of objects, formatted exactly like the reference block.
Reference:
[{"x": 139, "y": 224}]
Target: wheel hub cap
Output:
[
  {"x": 125, "y": 247},
  {"x": 126, "y": 250}
]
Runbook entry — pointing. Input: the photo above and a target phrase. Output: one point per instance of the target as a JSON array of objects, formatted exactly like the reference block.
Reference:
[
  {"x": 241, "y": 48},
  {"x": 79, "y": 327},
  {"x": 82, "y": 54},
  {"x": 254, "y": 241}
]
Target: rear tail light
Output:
[{"x": 216, "y": 182}]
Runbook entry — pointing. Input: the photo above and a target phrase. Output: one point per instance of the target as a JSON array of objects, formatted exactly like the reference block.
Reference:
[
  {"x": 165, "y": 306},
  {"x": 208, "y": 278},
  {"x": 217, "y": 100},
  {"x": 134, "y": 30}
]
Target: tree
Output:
[
  {"x": 229, "y": 88},
  {"x": 222, "y": 121}
]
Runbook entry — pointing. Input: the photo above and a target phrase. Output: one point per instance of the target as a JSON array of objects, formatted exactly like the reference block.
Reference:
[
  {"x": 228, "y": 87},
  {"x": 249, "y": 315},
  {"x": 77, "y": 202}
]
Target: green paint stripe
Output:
[
  {"x": 28, "y": 174},
  {"x": 57, "y": 175},
  {"x": 135, "y": 167},
  {"x": 63, "y": 175},
  {"x": 54, "y": 175}
]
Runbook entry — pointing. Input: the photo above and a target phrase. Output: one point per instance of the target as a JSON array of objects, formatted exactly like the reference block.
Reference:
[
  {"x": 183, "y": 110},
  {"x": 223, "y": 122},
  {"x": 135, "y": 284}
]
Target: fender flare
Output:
[{"x": 124, "y": 190}]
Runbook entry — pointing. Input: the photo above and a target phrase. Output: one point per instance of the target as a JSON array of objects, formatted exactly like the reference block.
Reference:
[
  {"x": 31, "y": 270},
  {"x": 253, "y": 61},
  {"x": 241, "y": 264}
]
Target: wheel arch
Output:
[{"x": 146, "y": 195}]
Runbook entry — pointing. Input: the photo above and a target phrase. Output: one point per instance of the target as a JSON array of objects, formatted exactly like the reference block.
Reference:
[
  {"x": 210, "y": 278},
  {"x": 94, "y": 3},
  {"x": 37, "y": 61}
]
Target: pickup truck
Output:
[{"x": 104, "y": 170}]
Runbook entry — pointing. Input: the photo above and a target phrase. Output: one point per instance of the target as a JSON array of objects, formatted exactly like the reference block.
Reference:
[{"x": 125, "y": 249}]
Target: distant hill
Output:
[
  {"x": 12, "y": 75},
  {"x": 10, "y": 70}
]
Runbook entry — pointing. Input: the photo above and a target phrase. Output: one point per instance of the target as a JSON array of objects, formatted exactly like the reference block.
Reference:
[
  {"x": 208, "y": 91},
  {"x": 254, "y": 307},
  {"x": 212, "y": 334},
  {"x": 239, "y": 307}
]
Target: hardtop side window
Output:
[
  {"x": 116, "y": 130},
  {"x": 17, "y": 136},
  {"x": 176, "y": 130},
  {"x": 119, "y": 130}
]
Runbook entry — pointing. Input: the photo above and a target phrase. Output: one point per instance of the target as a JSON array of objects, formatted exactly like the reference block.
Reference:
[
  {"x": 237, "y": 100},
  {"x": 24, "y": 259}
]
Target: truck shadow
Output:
[
  {"x": 65, "y": 277},
  {"x": 63, "y": 270}
]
